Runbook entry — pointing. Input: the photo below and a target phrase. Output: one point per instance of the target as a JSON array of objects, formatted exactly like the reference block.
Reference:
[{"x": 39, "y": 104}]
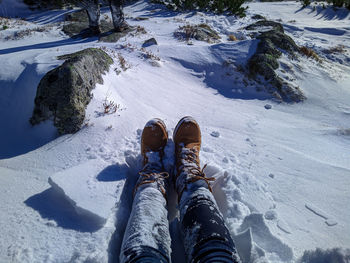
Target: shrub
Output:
[
  {"x": 340, "y": 3},
  {"x": 201, "y": 32},
  {"x": 232, "y": 38},
  {"x": 309, "y": 53},
  {"x": 336, "y": 49},
  {"x": 56, "y": 4},
  {"x": 109, "y": 106},
  {"x": 39, "y": 4},
  {"x": 306, "y": 3},
  {"x": 218, "y": 6}
]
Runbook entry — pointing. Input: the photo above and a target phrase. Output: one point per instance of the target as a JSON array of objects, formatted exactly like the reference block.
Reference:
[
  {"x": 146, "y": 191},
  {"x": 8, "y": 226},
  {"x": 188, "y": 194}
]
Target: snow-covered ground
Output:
[{"x": 283, "y": 174}]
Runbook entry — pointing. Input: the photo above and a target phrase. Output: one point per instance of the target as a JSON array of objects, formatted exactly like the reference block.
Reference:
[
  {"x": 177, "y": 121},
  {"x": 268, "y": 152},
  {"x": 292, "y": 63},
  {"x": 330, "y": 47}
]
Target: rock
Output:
[
  {"x": 215, "y": 134},
  {"x": 141, "y": 18},
  {"x": 258, "y": 17},
  {"x": 279, "y": 40},
  {"x": 64, "y": 92},
  {"x": 112, "y": 36},
  {"x": 201, "y": 32},
  {"x": 268, "y": 107},
  {"x": 264, "y": 62},
  {"x": 77, "y": 16},
  {"x": 266, "y": 46},
  {"x": 150, "y": 42},
  {"x": 266, "y": 25}
]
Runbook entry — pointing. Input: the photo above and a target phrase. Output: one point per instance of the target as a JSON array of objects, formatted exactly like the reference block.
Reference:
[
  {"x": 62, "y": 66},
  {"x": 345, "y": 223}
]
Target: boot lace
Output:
[
  {"x": 149, "y": 176},
  {"x": 191, "y": 168}
]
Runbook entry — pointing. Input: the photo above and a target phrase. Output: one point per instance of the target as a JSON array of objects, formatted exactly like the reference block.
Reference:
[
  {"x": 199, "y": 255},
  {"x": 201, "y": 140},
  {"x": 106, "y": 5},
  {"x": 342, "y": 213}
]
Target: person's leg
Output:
[
  {"x": 92, "y": 9},
  {"x": 93, "y": 12},
  {"x": 205, "y": 235},
  {"x": 147, "y": 237},
  {"x": 116, "y": 7}
]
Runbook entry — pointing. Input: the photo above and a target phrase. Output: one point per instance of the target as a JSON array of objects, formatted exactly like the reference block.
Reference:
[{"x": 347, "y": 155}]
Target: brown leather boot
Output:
[
  {"x": 153, "y": 140},
  {"x": 187, "y": 139}
]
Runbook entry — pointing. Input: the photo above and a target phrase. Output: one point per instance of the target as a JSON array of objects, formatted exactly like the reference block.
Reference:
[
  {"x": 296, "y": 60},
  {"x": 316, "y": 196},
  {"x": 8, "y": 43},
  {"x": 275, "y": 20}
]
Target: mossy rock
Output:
[
  {"x": 279, "y": 40},
  {"x": 263, "y": 65},
  {"x": 286, "y": 91},
  {"x": 112, "y": 36},
  {"x": 204, "y": 32},
  {"x": 258, "y": 17},
  {"x": 81, "y": 28},
  {"x": 64, "y": 92},
  {"x": 77, "y": 16},
  {"x": 266, "y": 46},
  {"x": 201, "y": 32},
  {"x": 264, "y": 62},
  {"x": 263, "y": 24}
]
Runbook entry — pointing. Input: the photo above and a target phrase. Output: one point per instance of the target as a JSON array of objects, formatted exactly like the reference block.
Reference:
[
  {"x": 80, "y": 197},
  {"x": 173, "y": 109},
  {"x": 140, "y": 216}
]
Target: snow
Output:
[
  {"x": 96, "y": 196},
  {"x": 283, "y": 174}
]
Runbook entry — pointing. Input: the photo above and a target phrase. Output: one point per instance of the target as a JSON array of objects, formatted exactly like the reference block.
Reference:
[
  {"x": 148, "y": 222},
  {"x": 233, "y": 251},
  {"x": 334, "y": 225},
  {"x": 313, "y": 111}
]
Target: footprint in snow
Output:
[
  {"x": 317, "y": 211},
  {"x": 283, "y": 226},
  {"x": 208, "y": 150}
]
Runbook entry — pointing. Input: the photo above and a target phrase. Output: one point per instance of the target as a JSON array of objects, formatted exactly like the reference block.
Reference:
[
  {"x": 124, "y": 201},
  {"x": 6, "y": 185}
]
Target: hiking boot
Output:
[
  {"x": 123, "y": 26},
  {"x": 153, "y": 140},
  {"x": 95, "y": 30},
  {"x": 187, "y": 139}
]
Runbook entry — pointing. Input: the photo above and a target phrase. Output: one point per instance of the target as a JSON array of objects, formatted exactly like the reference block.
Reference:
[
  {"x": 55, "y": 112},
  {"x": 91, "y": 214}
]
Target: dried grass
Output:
[
  {"x": 232, "y": 38},
  {"x": 309, "y": 53}
]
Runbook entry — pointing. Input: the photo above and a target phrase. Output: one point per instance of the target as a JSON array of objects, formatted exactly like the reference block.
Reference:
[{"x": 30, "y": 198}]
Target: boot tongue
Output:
[
  {"x": 189, "y": 158},
  {"x": 154, "y": 162}
]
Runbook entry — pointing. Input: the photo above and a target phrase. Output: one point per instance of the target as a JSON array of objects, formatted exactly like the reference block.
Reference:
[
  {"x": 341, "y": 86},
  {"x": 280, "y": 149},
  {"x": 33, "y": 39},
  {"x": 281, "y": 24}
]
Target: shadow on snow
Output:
[
  {"x": 326, "y": 13},
  {"x": 63, "y": 42},
  {"x": 124, "y": 207},
  {"x": 225, "y": 70},
  {"x": 52, "y": 205},
  {"x": 17, "y": 136}
]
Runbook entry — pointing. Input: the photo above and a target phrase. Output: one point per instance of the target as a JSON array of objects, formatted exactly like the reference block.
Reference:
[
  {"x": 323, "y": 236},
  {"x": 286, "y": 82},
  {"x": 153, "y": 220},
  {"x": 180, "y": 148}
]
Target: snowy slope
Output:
[{"x": 283, "y": 174}]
